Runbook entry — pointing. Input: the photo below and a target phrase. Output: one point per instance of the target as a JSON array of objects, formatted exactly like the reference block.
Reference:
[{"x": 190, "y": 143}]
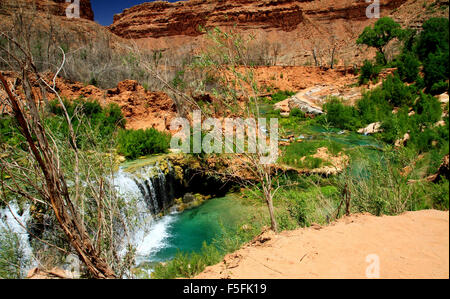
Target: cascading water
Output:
[
  {"x": 150, "y": 192},
  {"x": 14, "y": 220},
  {"x": 153, "y": 190}
]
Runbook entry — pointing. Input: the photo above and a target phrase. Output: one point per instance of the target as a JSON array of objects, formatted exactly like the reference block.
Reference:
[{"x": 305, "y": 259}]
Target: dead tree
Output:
[{"x": 54, "y": 189}]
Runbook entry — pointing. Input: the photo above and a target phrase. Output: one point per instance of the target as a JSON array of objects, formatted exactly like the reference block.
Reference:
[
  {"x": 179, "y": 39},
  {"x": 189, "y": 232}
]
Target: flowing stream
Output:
[
  {"x": 152, "y": 191},
  {"x": 160, "y": 238}
]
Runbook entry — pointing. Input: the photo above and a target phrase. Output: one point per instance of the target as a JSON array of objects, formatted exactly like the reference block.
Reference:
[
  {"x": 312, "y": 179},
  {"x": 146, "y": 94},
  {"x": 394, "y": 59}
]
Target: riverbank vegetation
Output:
[{"x": 383, "y": 174}]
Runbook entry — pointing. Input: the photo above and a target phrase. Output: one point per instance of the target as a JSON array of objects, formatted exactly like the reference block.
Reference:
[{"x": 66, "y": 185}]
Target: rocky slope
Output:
[
  {"x": 142, "y": 109},
  {"x": 286, "y": 30},
  {"x": 157, "y": 19},
  {"x": 53, "y": 7}
]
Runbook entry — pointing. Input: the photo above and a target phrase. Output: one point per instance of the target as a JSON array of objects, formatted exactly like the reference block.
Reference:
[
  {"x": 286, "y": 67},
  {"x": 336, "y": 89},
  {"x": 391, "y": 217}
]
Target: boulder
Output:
[
  {"x": 283, "y": 106},
  {"x": 188, "y": 198},
  {"x": 371, "y": 129},
  {"x": 443, "y": 98},
  {"x": 403, "y": 141},
  {"x": 297, "y": 103}
]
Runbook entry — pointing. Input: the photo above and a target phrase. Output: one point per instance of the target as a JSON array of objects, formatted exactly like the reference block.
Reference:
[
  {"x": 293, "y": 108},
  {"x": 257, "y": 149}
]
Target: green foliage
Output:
[
  {"x": 187, "y": 265},
  {"x": 342, "y": 116},
  {"x": 373, "y": 106},
  {"x": 281, "y": 96},
  {"x": 137, "y": 143},
  {"x": 95, "y": 124},
  {"x": 434, "y": 38},
  {"x": 369, "y": 72},
  {"x": 9, "y": 133},
  {"x": 307, "y": 204},
  {"x": 396, "y": 92},
  {"x": 297, "y": 113},
  {"x": 432, "y": 47},
  {"x": 408, "y": 67},
  {"x": 436, "y": 69},
  {"x": 439, "y": 195},
  {"x": 380, "y": 189},
  {"x": 300, "y": 154},
  {"x": 384, "y": 30},
  {"x": 395, "y": 126},
  {"x": 13, "y": 262}
]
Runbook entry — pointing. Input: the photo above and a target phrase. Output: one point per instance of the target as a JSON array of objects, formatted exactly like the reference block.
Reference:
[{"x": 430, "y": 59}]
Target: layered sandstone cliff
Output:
[
  {"x": 53, "y": 7},
  {"x": 286, "y": 32},
  {"x": 158, "y": 19}
]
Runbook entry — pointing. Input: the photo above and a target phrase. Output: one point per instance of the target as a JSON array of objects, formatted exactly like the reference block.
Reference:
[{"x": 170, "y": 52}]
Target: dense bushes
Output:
[
  {"x": 340, "y": 115},
  {"x": 432, "y": 47},
  {"x": 369, "y": 72},
  {"x": 281, "y": 96},
  {"x": 136, "y": 143},
  {"x": 94, "y": 124},
  {"x": 408, "y": 67},
  {"x": 96, "y": 128},
  {"x": 381, "y": 189},
  {"x": 300, "y": 154},
  {"x": 436, "y": 71},
  {"x": 396, "y": 92}
]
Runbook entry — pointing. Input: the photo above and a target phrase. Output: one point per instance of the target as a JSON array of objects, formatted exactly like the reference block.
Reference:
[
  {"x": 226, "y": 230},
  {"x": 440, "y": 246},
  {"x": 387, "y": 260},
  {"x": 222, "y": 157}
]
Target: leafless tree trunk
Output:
[
  {"x": 54, "y": 191},
  {"x": 332, "y": 57}
]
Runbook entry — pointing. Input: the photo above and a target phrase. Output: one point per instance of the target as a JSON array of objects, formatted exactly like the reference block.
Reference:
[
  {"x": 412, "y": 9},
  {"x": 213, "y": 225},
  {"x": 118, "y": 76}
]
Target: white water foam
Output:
[
  {"x": 152, "y": 234},
  {"x": 12, "y": 221},
  {"x": 157, "y": 237}
]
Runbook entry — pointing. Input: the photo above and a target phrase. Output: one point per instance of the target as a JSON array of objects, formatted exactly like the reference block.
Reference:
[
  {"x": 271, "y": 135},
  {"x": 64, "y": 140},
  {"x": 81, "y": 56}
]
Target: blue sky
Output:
[{"x": 104, "y": 10}]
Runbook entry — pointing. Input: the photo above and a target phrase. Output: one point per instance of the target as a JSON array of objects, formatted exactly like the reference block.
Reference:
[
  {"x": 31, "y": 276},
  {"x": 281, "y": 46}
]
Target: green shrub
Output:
[
  {"x": 297, "y": 113},
  {"x": 408, "y": 67},
  {"x": 439, "y": 88},
  {"x": 342, "y": 116},
  {"x": 373, "y": 107},
  {"x": 13, "y": 261},
  {"x": 436, "y": 70},
  {"x": 432, "y": 47},
  {"x": 396, "y": 92},
  {"x": 300, "y": 154},
  {"x": 378, "y": 36},
  {"x": 137, "y": 143},
  {"x": 281, "y": 96},
  {"x": 395, "y": 126},
  {"x": 428, "y": 110},
  {"x": 368, "y": 72},
  {"x": 434, "y": 38},
  {"x": 93, "y": 123},
  {"x": 439, "y": 195}
]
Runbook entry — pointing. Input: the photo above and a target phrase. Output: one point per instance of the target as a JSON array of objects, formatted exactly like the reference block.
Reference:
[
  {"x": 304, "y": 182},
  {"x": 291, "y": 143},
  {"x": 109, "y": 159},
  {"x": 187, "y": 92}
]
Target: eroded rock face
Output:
[
  {"x": 143, "y": 109},
  {"x": 157, "y": 19},
  {"x": 286, "y": 30},
  {"x": 54, "y": 7}
]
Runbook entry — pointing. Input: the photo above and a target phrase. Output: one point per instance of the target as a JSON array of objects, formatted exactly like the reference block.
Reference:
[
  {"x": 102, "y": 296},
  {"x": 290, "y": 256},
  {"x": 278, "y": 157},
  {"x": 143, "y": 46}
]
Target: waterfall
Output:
[
  {"x": 148, "y": 191},
  {"x": 15, "y": 222},
  {"x": 151, "y": 185}
]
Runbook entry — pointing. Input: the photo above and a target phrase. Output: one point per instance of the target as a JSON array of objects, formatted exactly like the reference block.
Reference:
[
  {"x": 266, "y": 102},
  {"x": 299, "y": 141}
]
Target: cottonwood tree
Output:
[{"x": 379, "y": 36}]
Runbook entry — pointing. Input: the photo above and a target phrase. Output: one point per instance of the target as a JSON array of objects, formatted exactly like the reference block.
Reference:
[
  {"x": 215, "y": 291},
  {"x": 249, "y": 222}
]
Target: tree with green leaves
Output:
[
  {"x": 432, "y": 48},
  {"x": 384, "y": 31}
]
